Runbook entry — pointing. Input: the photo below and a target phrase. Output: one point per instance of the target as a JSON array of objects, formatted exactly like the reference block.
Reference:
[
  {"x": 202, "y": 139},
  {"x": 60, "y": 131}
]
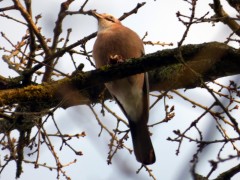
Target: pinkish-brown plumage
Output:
[{"x": 131, "y": 93}]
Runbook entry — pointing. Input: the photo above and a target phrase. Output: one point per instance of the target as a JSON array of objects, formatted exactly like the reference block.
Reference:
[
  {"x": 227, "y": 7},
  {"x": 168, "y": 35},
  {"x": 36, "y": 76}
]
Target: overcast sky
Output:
[{"x": 158, "y": 18}]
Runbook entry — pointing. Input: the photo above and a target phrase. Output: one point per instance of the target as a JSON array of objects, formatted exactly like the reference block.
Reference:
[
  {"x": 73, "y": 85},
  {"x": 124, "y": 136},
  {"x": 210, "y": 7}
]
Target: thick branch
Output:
[
  {"x": 211, "y": 60},
  {"x": 229, "y": 173},
  {"x": 224, "y": 17}
]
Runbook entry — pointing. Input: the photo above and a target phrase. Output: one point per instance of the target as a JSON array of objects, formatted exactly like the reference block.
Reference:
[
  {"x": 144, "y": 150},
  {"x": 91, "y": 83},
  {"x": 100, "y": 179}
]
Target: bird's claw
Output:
[{"x": 114, "y": 59}]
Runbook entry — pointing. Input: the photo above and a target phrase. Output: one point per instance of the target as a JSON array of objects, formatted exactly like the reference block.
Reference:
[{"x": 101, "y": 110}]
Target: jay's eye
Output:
[{"x": 110, "y": 18}]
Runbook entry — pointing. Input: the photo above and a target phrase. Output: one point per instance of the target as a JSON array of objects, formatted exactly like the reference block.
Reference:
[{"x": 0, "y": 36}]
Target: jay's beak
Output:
[{"x": 96, "y": 15}]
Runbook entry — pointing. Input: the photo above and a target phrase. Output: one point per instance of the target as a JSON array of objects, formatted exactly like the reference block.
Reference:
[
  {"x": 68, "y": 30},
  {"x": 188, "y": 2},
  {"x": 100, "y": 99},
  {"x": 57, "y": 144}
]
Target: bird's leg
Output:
[{"x": 114, "y": 59}]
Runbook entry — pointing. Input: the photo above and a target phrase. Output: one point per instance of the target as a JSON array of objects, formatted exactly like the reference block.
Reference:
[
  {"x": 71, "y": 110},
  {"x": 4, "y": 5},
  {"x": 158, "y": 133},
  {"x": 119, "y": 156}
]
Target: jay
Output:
[{"x": 116, "y": 43}]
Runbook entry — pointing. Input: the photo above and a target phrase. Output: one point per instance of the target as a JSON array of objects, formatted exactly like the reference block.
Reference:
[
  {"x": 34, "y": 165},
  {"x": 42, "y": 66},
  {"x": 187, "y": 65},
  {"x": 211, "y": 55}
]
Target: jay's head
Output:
[{"x": 105, "y": 20}]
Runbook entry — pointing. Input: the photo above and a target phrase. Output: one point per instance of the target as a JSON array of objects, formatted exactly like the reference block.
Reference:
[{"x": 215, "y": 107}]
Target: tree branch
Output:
[
  {"x": 229, "y": 173},
  {"x": 224, "y": 17},
  {"x": 211, "y": 60},
  {"x": 31, "y": 24}
]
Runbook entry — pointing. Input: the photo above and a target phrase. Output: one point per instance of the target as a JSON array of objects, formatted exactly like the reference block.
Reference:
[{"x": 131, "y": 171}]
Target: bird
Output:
[{"x": 116, "y": 43}]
